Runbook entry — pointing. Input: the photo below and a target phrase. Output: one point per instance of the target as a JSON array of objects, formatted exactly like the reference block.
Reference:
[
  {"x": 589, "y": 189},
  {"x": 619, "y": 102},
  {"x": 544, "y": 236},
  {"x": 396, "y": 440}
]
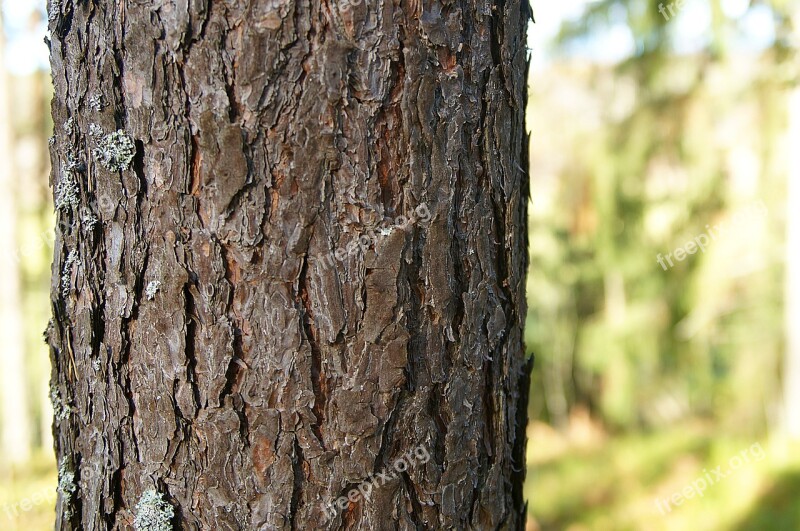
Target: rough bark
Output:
[{"x": 205, "y": 345}]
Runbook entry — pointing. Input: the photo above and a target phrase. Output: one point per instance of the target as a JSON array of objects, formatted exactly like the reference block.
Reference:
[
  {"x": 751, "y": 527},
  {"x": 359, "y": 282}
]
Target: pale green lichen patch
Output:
[
  {"x": 153, "y": 513},
  {"x": 115, "y": 151},
  {"x": 66, "y": 274},
  {"x": 88, "y": 219},
  {"x": 152, "y": 289},
  {"x": 96, "y": 102},
  {"x": 67, "y": 193},
  {"x": 54, "y": 11},
  {"x": 95, "y": 131},
  {"x": 66, "y": 484},
  {"x": 61, "y": 409}
]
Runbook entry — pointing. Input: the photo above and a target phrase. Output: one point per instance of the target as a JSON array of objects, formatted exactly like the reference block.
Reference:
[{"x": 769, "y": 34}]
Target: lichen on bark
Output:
[{"x": 256, "y": 383}]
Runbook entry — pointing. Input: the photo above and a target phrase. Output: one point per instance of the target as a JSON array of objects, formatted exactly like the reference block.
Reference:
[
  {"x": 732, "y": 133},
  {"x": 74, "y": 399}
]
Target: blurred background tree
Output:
[
  {"x": 16, "y": 439},
  {"x": 27, "y": 467},
  {"x": 675, "y": 139},
  {"x": 673, "y": 120}
]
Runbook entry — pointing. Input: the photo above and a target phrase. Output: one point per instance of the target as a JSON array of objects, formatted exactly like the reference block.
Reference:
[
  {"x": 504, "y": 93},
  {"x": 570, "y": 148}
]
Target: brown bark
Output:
[{"x": 205, "y": 344}]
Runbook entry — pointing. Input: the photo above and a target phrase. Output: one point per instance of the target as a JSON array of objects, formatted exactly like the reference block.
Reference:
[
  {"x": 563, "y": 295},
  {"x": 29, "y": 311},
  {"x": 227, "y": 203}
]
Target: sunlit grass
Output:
[
  {"x": 612, "y": 483},
  {"x": 28, "y": 496}
]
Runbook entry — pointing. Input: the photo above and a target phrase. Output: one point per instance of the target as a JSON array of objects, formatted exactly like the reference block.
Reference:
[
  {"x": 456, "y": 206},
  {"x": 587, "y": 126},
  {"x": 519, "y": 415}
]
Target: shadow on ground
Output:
[{"x": 777, "y": 509}]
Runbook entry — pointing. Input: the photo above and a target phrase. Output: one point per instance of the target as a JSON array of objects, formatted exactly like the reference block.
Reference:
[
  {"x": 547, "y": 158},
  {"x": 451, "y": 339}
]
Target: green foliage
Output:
[
  {"x": 662, "y": 149},
  {"x": 617, "y": 483},
  {"x": 28, "y": 495}
]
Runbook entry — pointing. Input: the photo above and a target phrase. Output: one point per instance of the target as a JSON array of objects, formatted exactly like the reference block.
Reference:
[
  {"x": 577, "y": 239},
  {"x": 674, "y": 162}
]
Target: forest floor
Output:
[
  {"x": 28, "y": 495},
  {"x": 688, "y": 476},
  {"x": 583, "y": 479}
]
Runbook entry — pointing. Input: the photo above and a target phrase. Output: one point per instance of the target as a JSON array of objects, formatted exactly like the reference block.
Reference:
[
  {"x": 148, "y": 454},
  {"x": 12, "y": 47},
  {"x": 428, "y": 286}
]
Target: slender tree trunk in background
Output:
[
  {"x": 791, "y": 370},
  {"x": 16, "y": 422},
  {"x": 206, "y": 345},
  {"x": 41, "y": 134},
  {"x": 791, "y": 366},
  {"x": 35, "y": 219}
]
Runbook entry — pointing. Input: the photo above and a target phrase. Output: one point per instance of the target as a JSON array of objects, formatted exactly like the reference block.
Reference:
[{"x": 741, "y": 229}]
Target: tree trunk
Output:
[
  {"x": 297, "y": 269},
  {"x": 791, "y": 367}
]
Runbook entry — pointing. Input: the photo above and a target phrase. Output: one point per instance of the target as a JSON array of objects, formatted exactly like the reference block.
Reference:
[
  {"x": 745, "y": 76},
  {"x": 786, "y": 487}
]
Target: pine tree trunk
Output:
[{"x": 297, "y": 270}]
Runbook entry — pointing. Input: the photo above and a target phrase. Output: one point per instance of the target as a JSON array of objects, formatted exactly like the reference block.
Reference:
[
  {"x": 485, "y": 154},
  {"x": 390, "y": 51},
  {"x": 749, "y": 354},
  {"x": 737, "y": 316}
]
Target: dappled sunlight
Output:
[
  {"x": 659, "y": 288},
  {"x": 625, "y": 483},
  {"x": 28, "y": 495}
]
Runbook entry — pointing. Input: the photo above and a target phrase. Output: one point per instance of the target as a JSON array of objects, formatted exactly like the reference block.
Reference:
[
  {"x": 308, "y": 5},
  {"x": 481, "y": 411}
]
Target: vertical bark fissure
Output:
[
  {"x": 190, "y": 341},
  {"x": 298, "y": 478},
  {"x": 269, "y": 135},
  {"x": 318, "y": 378},
  {"x": 416, "y": 513},
  {"x": 237, "y": 363}
]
